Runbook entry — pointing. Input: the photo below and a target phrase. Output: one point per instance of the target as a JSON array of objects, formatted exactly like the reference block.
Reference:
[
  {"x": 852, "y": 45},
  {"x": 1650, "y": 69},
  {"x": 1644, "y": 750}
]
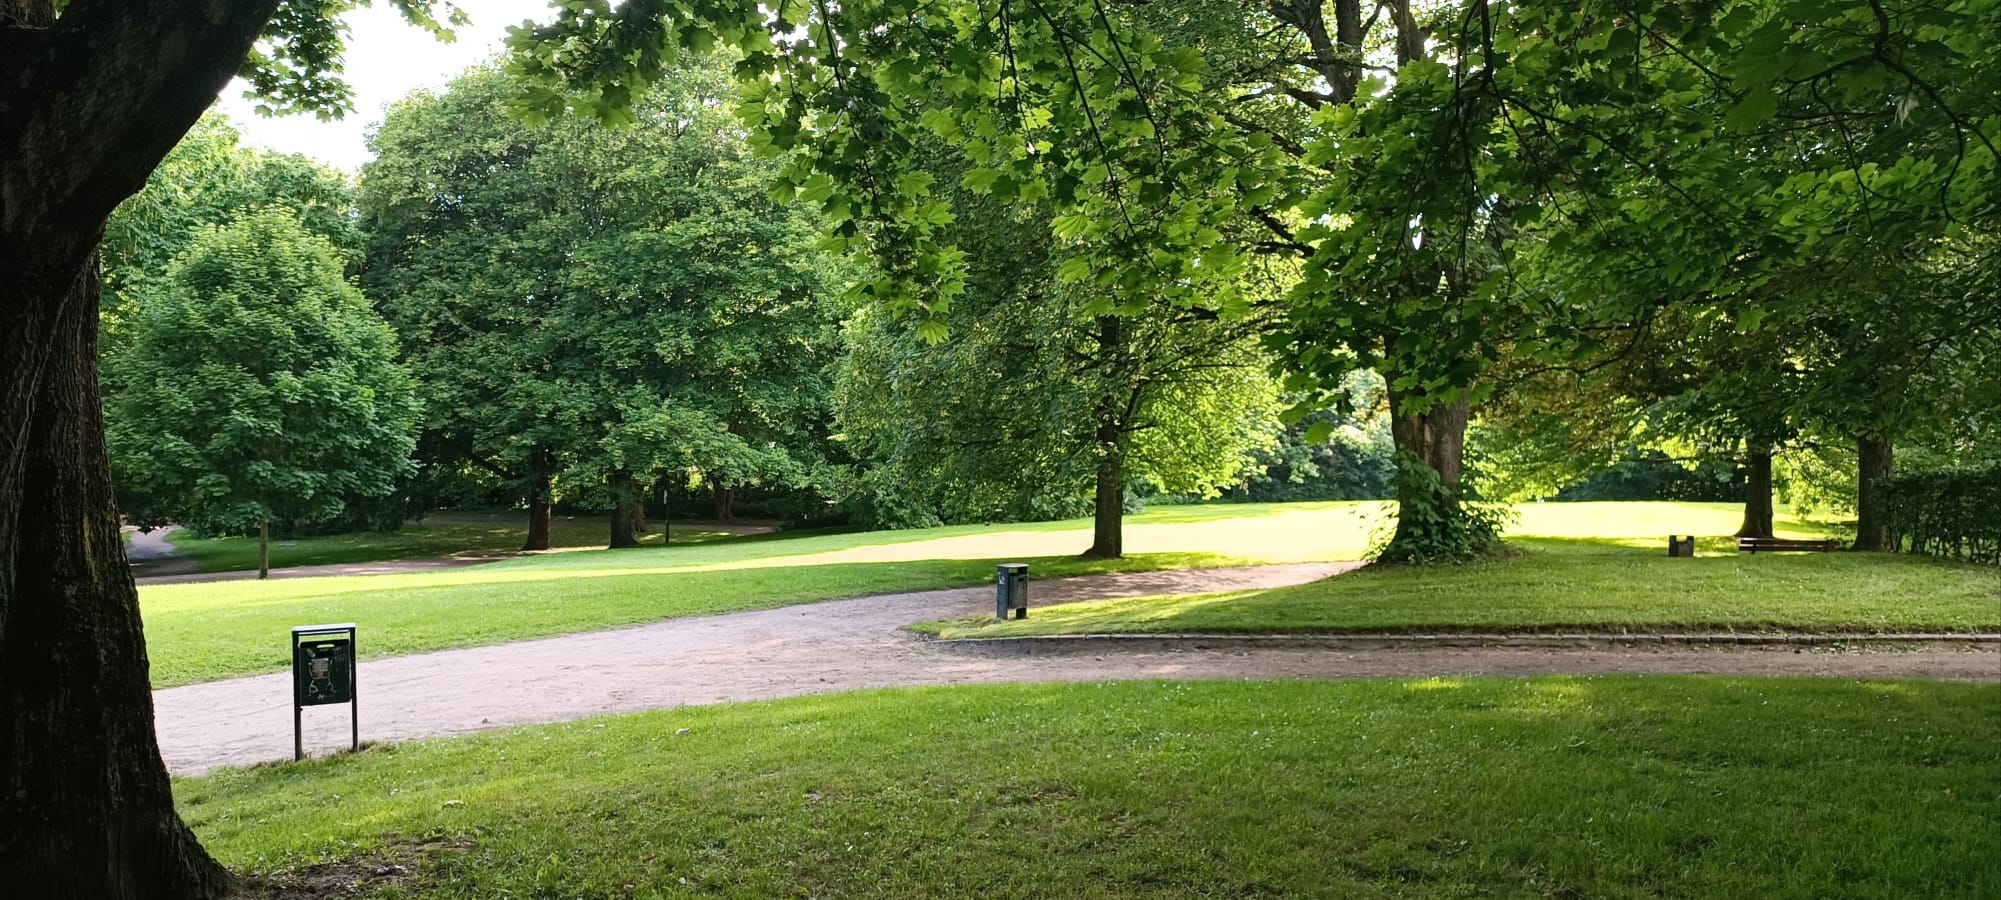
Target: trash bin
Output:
[{"x": 1011, "y": 590}]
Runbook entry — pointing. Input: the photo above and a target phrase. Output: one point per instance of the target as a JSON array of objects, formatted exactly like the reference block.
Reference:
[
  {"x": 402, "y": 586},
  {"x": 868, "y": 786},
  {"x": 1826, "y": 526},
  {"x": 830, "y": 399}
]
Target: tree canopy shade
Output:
[
  {"x": 259, "y": 385},
  {"x": 1416, "y": 160},
  {"x": 93, "y": 94},
  {"x": 1040, "y": 404},
  {"x": 596, "y": 309}
]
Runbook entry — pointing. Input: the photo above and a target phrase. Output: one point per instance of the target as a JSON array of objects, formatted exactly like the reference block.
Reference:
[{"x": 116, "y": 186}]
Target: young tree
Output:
[{"x": 260, "y": 386}]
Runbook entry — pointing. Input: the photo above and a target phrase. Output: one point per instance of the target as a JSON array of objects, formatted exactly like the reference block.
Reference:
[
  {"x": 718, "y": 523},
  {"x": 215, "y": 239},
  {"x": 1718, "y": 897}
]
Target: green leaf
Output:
[{"x": 1754, "y": 110}]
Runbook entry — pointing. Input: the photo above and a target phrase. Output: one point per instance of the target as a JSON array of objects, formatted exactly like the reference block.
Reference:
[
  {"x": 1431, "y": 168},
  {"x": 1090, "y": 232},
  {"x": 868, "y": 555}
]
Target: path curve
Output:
[{"x": 842, "y": 645}]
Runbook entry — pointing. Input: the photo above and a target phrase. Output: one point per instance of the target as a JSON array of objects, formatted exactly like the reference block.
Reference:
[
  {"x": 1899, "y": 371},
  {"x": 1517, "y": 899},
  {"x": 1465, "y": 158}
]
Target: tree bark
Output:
[
  {"x": 1436, "y": 439},
  {"x": 1872, "y": 525},
  {"x": 625, "y": 496},
  {"x": 1114, "y": 415},
  {"x": 86, "y": 809},
  {"x": 1108, "y": 511},
  {"x": 1437, "y": 436},
  {"x": 539, "y": 502},
  {"x": 263, "y": 550},
  {"x": 89, "y": 104},
  {"x": 1758, "y": 492}
]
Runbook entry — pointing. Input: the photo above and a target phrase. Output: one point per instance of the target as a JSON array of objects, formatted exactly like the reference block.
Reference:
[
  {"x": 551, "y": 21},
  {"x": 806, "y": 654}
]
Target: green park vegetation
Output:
[
  {"x": 199, "y": 632},
  {"x": 1005, "y": 275},
  {"x": 1590, "y": 565},
  {"x": 1592, "y": 787},
  {"x": 1563, "y": 585},
  {"x": 447, "y": 534}
]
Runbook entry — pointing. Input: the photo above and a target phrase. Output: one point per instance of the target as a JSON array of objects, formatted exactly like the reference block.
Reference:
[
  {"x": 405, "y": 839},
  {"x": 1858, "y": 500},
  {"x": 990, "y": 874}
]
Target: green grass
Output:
[
  {"x": 1555, "y": 585},
  {"x": 1570, "y": 787},
  {"x": 441, "y": 534},
  {"x": 200, "y": 632},
  {"x": 204, "y": 632}
]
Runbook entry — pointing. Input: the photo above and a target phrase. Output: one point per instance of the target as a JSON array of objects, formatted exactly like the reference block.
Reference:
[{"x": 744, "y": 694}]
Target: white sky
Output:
[{"x": 386, "y": 59}]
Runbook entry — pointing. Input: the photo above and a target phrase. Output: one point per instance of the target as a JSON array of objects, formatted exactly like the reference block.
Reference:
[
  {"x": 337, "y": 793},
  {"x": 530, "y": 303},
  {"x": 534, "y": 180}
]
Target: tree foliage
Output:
[
  {"x": 260, "y": 385},
  {"x": 608, "y": 304}
]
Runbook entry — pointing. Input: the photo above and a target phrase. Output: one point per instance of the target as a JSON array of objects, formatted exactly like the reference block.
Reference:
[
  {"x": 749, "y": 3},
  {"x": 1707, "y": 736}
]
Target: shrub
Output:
[{"x": 1951, "y": 512}]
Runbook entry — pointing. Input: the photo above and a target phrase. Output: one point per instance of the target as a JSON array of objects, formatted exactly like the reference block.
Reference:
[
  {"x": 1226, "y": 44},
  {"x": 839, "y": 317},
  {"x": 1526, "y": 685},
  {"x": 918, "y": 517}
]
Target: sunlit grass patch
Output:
[
  {"x": 1563, "y": 588},
  {"x": 1664, "y": 786}
]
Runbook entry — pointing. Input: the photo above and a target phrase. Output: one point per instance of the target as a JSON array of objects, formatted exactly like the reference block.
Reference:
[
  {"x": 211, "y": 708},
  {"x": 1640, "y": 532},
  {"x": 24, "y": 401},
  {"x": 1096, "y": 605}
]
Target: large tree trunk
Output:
[
  {"x": 1436, "y": 440},
  {"x": 1108, "y": 510},
  {"x": 1437, "y": 436},
  {"x": 539, "y": 502},
  {"x": 89, "y": 104},
  {"x": 86, "y": 810},
  {"x": 1872, "y": 525},
  {"x": 1758, "y": 492},
  {"x": 263, "y": 550},
  {"x": 626, "y": 510}
]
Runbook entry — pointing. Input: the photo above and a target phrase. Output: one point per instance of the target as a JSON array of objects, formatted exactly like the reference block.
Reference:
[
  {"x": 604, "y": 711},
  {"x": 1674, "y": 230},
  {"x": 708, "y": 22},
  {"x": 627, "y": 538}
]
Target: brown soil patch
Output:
[{"x": 403, "y": 862}]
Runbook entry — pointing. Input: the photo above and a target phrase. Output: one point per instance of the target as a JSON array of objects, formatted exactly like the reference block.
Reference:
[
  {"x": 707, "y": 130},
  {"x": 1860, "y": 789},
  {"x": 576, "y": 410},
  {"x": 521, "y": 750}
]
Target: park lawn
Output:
[
  {"x": 200, "y": 632},
  {"x": 453, "y": 533},
  {"x": 1558, "y": 585},
  {"x": 211, "y": 631},
  {"x": 1577, "y": 787}
]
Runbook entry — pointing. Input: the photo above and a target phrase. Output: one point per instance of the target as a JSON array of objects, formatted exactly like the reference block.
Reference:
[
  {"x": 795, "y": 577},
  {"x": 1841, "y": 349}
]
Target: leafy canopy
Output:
[{"x": 260, "y": 385}]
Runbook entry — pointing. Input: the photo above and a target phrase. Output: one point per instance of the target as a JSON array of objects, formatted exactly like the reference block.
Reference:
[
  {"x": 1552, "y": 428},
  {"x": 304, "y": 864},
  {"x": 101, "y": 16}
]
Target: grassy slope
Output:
[
  {"x": 199, "y": 632},
  {"x": 442, "y": 534},
  {"x": 1685, "y": 787},
  {"x": 1560, "y": 582}
]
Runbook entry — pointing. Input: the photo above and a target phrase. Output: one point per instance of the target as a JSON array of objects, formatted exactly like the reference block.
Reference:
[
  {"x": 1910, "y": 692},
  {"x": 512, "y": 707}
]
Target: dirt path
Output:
[
  {"x": 383, "y": 567},
  {"x": 152, "y": 556},
  {"x": 158, "y": 565},
  {"x": 846, "y": 644}
]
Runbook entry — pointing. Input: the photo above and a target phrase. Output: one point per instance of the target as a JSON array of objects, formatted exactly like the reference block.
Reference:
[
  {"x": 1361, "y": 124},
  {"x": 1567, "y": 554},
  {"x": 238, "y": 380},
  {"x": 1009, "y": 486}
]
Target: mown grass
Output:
[
  {"x": 1563, "y": 586},
  {"x": 1573, "y": 787},
  {"x": 439, "y": 535},
  {"x": 200, "y": 632},
  {"x": 204, "y": 632}
]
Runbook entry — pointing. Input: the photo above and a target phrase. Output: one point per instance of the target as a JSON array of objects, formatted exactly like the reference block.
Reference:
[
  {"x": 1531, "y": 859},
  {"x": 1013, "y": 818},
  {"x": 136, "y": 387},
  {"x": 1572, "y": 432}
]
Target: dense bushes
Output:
[{"x": 1951, "y": 512}]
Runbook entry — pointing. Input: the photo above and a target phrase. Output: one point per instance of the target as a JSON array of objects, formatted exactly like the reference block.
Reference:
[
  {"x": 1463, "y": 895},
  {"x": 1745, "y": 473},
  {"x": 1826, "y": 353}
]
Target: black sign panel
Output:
[{"x": 324, "y": 671}]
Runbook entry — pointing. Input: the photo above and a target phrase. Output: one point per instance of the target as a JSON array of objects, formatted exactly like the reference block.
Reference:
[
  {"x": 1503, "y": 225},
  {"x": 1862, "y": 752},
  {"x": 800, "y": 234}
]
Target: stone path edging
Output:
[{"x": 1045, "y": 644}]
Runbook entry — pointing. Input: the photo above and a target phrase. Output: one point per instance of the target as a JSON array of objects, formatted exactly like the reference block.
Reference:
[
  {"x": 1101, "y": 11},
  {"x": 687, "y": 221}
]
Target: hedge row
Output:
[{"x": 1954, "y": 513}]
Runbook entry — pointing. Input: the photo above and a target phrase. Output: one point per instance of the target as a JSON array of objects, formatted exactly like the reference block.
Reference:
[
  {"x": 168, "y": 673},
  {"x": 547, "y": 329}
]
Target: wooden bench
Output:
[{"x": 1784, "y": 545}]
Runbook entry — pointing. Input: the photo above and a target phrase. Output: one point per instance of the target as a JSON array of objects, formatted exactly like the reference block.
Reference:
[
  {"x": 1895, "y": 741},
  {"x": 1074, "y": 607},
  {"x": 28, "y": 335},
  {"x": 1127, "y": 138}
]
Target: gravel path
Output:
[
  {"x": 847, "y": 644},
  {"x": 383, "y": 567}
]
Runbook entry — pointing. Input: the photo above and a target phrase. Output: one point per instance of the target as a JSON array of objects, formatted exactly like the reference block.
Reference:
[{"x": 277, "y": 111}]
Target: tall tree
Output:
[
  {"x": 1043, "y": 402},
  {"x": 1409, "y": 196},
  {"x": 595, "y": 309},
  {"x": 261, "y": 386},
  {"x": 93, "y": 93}
]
